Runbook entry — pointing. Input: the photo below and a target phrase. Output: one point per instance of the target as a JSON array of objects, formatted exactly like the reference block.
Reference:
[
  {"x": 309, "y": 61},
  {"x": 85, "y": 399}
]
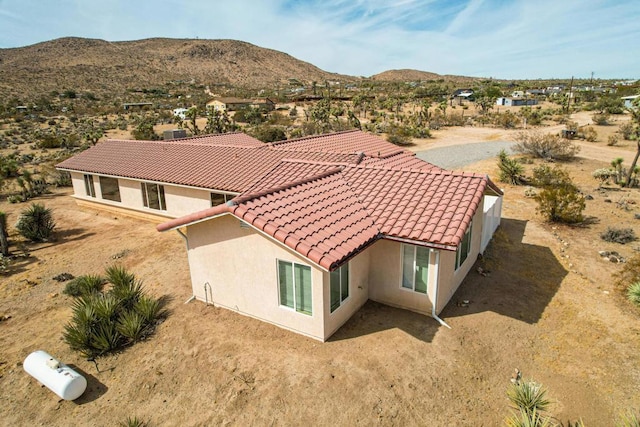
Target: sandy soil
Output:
[{"x": 547, "y": 307}]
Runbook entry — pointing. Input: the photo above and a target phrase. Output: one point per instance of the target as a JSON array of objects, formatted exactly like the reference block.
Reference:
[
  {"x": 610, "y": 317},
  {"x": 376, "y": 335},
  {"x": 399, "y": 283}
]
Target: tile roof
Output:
[
  {"x": 196, "y": 164},
  {"x": 347, "y": 142},
  {"x": 329, "y": 213}
]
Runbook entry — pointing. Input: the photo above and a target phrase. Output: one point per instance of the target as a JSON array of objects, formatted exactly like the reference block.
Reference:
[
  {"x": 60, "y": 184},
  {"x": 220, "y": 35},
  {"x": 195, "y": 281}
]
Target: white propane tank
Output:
[{"x": 58, "y": 377}]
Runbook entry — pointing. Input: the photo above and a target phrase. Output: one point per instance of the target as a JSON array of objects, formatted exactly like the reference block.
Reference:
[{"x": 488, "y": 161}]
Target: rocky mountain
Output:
[{"x": 99, "y": 66}]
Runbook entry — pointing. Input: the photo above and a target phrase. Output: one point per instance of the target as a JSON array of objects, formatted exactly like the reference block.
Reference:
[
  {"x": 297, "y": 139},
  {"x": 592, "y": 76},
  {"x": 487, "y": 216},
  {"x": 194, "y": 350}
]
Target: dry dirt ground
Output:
[{"x": 548, "y": 307}]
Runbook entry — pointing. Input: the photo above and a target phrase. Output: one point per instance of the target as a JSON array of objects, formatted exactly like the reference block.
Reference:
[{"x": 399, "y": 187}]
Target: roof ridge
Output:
[
  {"x": 316, "y": 162},
  {"x": 439, "y": 171},
  {"x": 249, "y": 196}
]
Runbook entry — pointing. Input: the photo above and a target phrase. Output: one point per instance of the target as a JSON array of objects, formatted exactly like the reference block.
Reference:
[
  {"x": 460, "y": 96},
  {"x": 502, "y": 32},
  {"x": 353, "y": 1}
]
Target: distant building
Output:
[
  {"x": 629, "y": 100},
  {"x": 181, "y": 113},
  {"x": 516, "y": 102},
  {"x": 141, "y": 105},
  {"x": 228, "y": 104}
]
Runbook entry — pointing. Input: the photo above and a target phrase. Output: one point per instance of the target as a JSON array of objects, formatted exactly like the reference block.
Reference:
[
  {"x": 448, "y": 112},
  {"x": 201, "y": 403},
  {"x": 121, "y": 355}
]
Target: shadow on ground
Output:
[
  {"x": 374, "y": 317},
  {"x": 95, "y": 389},
  {"x": 522, "y": 279}
]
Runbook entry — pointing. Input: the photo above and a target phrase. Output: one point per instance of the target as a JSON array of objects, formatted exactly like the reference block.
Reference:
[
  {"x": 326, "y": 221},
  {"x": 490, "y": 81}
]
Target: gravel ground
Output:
[{"x": 457, "y": 156}]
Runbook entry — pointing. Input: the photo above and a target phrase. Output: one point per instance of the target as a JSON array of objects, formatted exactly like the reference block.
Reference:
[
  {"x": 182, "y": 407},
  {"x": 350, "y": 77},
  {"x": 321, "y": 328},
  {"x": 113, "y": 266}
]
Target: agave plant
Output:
[
  {"x": 148, "y": 308},
  {"x": 36, "y": 223},
  {"x": 523, "y": 418},
  {"x": 117, "y": 275},
  {"x": 629, "y": 419}
]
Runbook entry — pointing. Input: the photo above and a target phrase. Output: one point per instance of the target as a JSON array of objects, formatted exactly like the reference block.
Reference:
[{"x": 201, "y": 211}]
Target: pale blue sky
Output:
[{"x": 490, "y": 38}]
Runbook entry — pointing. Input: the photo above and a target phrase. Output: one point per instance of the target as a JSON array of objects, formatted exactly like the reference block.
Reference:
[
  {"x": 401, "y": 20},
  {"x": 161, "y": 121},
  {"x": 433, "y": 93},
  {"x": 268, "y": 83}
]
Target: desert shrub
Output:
[
  {"x": 506, "y": 120},
  {"x": 600, "y": 119},
  {"x": 510, "y": 169},
  {"x": 590, "y": 134},
  {"x": 633, "y": 293},
  {"x": 559, "y": 200},
  {"x": 545, "y": 146},
  {"x": 398, "y": 135},
  {"x": 84, "y": 285},
  {"x": 612, "y": 140},
  {"x": 603, "y": 175},
  {"x": 36, "y": 223},
  {"x": 266, "y": 133},
  {"x": 106, "y": 321},
  {"x": 529, "y": 400},
  {"x": 626, "y": 130},
  {"x": 62, "y": 178},
  {"x": 618, "y": 235}
]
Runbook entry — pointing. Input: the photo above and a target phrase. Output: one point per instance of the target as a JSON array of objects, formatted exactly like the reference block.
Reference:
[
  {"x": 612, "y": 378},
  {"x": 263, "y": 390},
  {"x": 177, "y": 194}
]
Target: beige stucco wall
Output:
[
  {"x": 385, "y": 278},
  {"x": 180, "y": 201},
  {"x": 240, "y": 265},
  {"x": 358, "y": 294},
  {"x": 449, "y": 278}
]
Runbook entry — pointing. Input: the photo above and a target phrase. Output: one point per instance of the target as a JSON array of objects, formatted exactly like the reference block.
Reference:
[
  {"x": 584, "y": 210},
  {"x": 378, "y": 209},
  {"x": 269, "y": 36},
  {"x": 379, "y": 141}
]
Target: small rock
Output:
[
  {"x": 607, "y": 200},
  {"x": 636, "y": 216},
  {"x": 5, "y": 318},
  {"x": 604, "y": 253},
  {"x": 53, "y": 295},
  {"x": 63, "y": 277},
  {"x": 605, "y": 292},
  {"x": 588, "y": 197}
]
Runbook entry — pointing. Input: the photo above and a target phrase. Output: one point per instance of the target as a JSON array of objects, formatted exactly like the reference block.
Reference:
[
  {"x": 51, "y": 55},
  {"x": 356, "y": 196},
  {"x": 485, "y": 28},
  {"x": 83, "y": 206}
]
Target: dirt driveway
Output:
[{"x": 548, "y": 307}]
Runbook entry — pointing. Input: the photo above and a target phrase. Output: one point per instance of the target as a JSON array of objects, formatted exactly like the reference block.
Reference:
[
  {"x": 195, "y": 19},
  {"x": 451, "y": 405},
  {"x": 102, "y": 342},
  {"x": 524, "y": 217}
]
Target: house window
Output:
[
  {"x": 109, "y": 188},
  {"x": 295, "y": 286},
  {"x": 415, "y": 268},
  {"x": 89, "y": 189},
  {"x": 153, "y": 196},
  {"x": 339, "y": 286},
  {"x": 463, "y": 248},
  {"x": 219, "y": 198}
]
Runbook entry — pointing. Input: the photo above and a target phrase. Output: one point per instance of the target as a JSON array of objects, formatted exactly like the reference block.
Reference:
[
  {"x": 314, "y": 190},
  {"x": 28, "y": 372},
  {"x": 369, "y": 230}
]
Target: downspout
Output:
[
  {"x": 186, "y": 242},
  {"x": 435, "y": 299}
]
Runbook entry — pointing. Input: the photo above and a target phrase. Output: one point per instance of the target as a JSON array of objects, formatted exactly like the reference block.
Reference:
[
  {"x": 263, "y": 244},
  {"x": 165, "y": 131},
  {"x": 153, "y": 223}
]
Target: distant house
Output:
[
  {"x": 516, "y": 102},
  {"x": 302, "y": 233},
  {"x": 140, "y": 105},
  {"x": 228, "y": 104},
  {"x": 264, "y": 104},
  {"x": 460, "y": 96},
  {"x": 517, "y": 94},
  {"x": 181, "y": 113},
  {"x": 629, "y": 101}
]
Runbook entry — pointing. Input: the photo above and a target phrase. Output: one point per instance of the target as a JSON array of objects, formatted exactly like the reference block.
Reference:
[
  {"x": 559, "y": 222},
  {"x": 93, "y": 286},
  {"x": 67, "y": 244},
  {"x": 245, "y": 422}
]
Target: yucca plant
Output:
[
  {"x": 523, "y": 418},
  {"x": 511, "y": 170},
  {"x": 117, "y": 275},
  {"x": 628, "y": 419},
  {"x": 133, "y": 422},
  {"x": 84, "y": 285},
  {"x": 36, "y": 223},
  {"x": 148, "y": 308},
  {"x": 131, "y": 325},
  {"x": 633, "y": 293},
  {"x": 105, "y": 321},
  {"x": 528, "y": 396}
]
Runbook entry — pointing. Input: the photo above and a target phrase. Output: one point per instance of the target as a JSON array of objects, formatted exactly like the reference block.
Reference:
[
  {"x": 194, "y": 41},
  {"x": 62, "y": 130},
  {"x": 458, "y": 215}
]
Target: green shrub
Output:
[
  {"x": 511, "y": 169},
  {"x": 560, "y": 200},
  {"x": 36, "y": 223},
  {"x": 633, "y": 293},
  {"x": 628, "y": 419},
  {"x": 600, "y": 119},
  {"x": 618, "y": 235},
  {"x": 132, "y": 422},
  {"x": 84, "y": 285},
  {"x": 590, "y": 134},
  {"x": 103, "y": 322},
  {"x": 528, "y": 396}
]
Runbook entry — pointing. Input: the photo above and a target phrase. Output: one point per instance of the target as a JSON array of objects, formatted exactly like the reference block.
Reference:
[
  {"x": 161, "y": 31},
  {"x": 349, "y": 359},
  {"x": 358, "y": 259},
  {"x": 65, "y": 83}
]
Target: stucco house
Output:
[
  {"x": 228, "y": 104},
  {"x": 302, "y": 233}
]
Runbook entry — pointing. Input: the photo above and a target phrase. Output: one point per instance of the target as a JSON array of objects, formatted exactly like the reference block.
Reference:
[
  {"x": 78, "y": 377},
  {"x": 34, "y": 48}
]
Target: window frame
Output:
[
  {"x": 226, "y": 197},
  {"x": 414, "y": 268},
  {"x": 159, "y": 190},
  {"x": 343, "y": 291},
  {"x": 294, "y": 289},
  {"x": 465, "y": 245},
  {"x": 89, "y": 186},
  {"x": 113, "y": 196}
]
